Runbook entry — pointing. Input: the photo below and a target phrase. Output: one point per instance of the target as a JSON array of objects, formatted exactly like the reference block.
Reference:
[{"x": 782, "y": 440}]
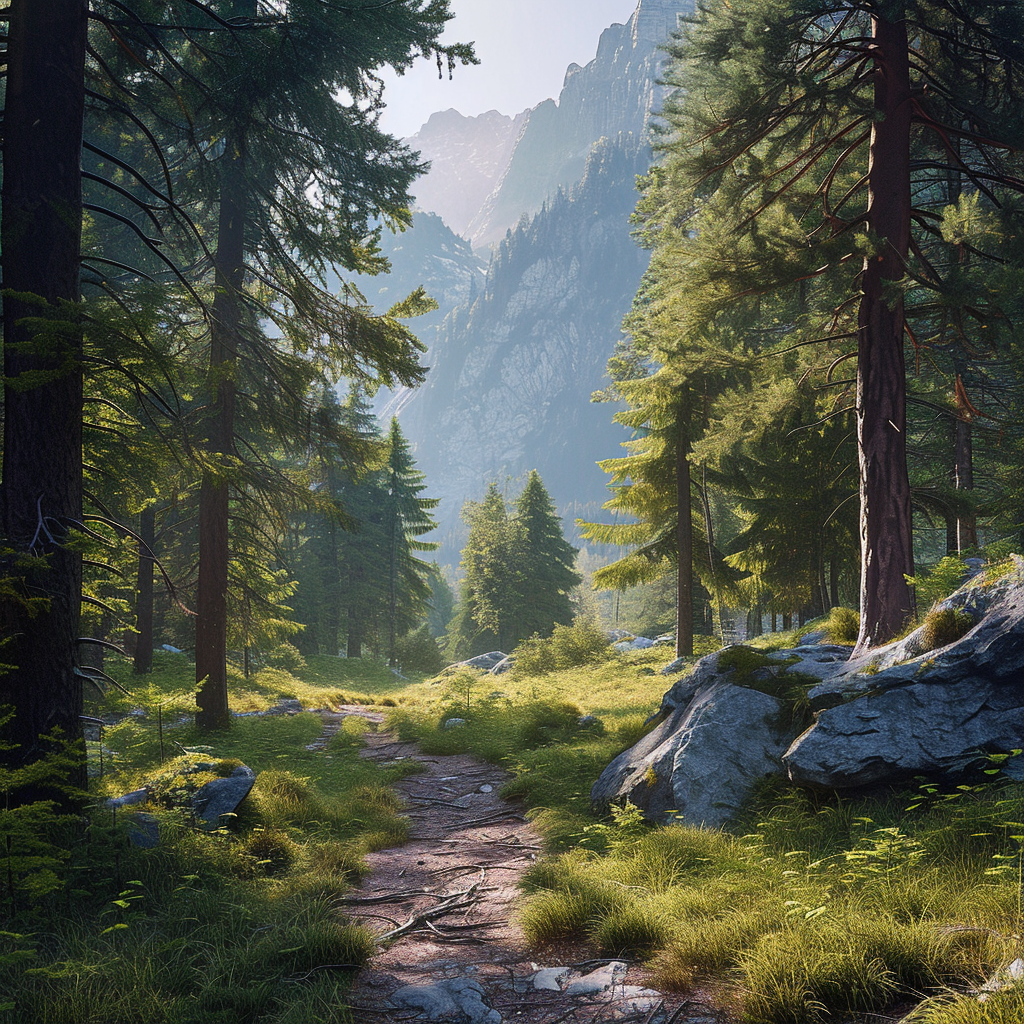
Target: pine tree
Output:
[
  {"x": 518, "y": 572},
  {"x": 546, "y": 562},
  {"x": 406, "y": 519},
  {"x": 791, "y": 135}
]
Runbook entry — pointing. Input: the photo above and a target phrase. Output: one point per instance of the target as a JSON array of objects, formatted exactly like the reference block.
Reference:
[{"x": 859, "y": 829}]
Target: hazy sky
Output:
[{"x": 524, "y": 47}]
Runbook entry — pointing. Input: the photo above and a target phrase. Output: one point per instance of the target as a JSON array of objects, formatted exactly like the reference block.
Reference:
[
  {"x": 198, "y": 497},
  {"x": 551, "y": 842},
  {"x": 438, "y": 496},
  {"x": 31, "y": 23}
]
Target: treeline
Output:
[
  {"x": 182, "y": 182},
  {"x": 825, "y": 351}
]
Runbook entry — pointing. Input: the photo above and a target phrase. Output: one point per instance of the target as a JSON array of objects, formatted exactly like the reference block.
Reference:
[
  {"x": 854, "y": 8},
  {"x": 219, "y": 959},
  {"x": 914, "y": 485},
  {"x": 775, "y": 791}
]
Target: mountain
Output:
[
  {"x": 429, "y": 254},
  {"x": 515, "y": 355},
  {"x": 468, "y": 156},
  {"x": 614, "y": 94},
  {"x": 512, "y": 372},
  {"x": 488, "y": 171}
]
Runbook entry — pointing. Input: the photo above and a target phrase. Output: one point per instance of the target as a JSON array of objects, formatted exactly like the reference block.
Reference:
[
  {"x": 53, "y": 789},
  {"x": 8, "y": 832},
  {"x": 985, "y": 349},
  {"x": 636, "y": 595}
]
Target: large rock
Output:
[
  {"x": 715, "y": 741},
  {"x": 221, "y": 797},
  {"x": 887, "y": 716},
  {"x": 899, "y": 712}
]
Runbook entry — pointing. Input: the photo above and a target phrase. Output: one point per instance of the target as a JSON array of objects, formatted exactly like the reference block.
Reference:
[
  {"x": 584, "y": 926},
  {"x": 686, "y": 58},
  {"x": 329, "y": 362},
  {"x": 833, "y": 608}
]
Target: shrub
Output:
[
  {"x": 543, "y": 724},
  {"x": 944, "y": 626},
  {"x": 419, "y": 652},
  {"x": 842, "y": 626},
  {"x": 582, "y": 643},
  {"x": 939, "y": 581},
  {"x": 271, "y": 849},
  {"x": 634, "y": 931},
  {"x": 286, "y": 656}
]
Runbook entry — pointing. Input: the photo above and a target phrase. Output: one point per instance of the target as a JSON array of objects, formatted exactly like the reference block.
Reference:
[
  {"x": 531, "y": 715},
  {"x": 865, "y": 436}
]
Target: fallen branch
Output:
[{"x": 457, "y": 901}]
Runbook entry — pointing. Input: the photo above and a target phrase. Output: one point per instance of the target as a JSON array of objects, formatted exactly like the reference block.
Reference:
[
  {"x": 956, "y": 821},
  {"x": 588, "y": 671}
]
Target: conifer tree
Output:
[
  {"x": 546, "y": 562},
  {"x": 790, "y": 140},
  {"x": 518, "y": 571},
  {"x": 406, "y": 519}
]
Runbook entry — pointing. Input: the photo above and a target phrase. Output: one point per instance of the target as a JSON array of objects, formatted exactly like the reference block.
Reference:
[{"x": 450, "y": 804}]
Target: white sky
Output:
[{"x": 524, "y": 47}]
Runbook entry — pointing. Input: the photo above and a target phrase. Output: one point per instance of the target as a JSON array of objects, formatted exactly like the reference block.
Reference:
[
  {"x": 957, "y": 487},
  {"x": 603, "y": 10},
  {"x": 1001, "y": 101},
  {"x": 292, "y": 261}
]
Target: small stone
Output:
[
  {"x": 550, "y": 979},
  {"x": 486, "y": 788},
  {"x": 143, "y": 831},
  {"x": 136, "y": 796},
  {"x": 221, "y": 797},
  {"x": 454, "y": 723},
  {"x": 596, "y": 982}
]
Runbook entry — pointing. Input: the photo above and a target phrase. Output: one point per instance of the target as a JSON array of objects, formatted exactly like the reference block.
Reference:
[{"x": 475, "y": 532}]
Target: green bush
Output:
[
  {"x": 944, "y": 626},
  {"x": 286, "y": 656},
  {"x": 939, "y": 580},
  {"x": 270, "y": 849},
  {"x": 418, "y": 651},
  {"x": 582, "y": 643},
  {"x": 842, "y": 626}
]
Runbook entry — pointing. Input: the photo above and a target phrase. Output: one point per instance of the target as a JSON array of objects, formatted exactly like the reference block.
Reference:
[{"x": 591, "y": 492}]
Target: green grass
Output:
[
  {"x": 241, "y": 925},
  {"x": 811, "y": 909}
]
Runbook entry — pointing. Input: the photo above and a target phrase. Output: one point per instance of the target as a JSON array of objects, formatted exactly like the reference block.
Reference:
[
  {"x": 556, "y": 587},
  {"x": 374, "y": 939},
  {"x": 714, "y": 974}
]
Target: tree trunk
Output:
[
  {"x": 144, "y": 593},
  {"x": 332, "y": 613},
  {"x": 886, "y": 601},
  {"x": 963, "y": 469},
  {"x": 684, "y": 548},
  {"x": 41, "y": 494},
  {"x": 354, "y": 640},
  {"x": 225, "y": 341}
]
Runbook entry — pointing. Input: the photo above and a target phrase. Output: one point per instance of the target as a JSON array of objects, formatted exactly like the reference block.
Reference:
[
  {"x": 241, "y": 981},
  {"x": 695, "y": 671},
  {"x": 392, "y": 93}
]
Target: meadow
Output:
[{"x": 810, "y": 909}]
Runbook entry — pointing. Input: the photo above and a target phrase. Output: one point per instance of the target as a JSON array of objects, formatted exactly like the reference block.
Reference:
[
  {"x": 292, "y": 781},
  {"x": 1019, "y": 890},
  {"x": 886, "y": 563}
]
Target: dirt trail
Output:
[{"x": 444, "y": 905}]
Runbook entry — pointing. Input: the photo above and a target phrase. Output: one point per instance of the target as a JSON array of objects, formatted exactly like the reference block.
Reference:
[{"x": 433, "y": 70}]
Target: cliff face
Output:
[
  {"x": 614, "y": 94},
  {"x": 516, "y": 355},
  {"x": 468, "y": 156},
  {"x": 512, "y": 372}
]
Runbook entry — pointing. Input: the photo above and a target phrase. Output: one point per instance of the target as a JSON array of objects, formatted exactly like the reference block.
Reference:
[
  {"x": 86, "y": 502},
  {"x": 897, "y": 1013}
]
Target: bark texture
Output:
[
  {"x": 225, "y": 343},
  {"x": 41, "y": 493},
  {"x": 886, "y": 601},
  {"x": 684, "y": 548}
]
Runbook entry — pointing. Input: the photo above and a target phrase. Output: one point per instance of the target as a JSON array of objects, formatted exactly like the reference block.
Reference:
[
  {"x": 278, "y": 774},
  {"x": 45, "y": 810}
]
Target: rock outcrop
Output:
[
  {"x": 901, "y": 711},
  {"x": 722, "y": 729},
  {"x": 814, "y": 717}
]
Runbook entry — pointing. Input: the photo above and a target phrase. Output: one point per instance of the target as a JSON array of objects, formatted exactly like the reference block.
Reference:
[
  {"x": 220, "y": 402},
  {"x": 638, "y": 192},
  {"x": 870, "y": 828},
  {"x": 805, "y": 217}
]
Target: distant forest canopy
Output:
[{"x": 828, "y": 336}]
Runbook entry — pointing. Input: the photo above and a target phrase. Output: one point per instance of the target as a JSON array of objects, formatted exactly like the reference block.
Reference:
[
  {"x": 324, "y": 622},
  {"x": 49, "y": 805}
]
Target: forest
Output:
[{"x": 212, "y": 548}]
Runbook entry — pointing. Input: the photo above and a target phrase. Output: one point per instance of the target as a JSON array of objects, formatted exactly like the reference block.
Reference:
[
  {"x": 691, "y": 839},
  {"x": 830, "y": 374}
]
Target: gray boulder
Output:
[
  {"x": 900, "y": 711},
  {"x": 220, "y": 797},
  {"x": 503, "y": 666},
  {"x": 454, "y": 999},
  {"x": 484, "y": 662},
  {"x": 715, "y": 741}
]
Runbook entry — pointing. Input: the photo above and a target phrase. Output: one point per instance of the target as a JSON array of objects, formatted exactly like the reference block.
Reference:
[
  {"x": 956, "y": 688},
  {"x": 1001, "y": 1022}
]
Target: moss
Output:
[
  {"x": 757, "y": 671},
  {"x": 746, "y": 661},
  {"x": 944, "y": 626}
]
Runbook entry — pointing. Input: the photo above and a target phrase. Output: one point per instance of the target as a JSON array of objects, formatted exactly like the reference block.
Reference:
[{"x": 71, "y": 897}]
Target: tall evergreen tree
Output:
[
  {"x": 406, "y": 519},
  {"x": 793, "y": 128},
  {"x": 518, "y": 571},
  {"x": 546, "y": 562}
]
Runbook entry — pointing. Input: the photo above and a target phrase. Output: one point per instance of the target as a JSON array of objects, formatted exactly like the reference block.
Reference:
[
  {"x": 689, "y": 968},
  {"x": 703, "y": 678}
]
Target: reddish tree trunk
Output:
[
  {"x": 684, "y": 548},
  {"x": 967, "y": 525},
  {"x": 41, "y": 492},
  {"x": 225, "y": 339},
  {"x": 886, "y": 601}
]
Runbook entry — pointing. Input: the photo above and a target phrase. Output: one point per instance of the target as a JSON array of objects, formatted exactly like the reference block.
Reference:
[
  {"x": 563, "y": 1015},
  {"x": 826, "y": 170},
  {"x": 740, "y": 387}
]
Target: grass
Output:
[
  {"x": 240, "y": 925},
  {"x": 811, "y": 909}
]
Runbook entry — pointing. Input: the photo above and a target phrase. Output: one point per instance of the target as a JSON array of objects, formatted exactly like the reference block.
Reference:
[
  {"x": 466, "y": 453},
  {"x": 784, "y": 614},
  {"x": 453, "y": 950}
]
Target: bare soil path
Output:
[{"x": 443, "y": 906}]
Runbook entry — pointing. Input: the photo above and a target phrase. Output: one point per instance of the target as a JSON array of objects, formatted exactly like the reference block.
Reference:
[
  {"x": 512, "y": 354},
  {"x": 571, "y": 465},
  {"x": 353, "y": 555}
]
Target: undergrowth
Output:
[{"x": 810, "y": 910}]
